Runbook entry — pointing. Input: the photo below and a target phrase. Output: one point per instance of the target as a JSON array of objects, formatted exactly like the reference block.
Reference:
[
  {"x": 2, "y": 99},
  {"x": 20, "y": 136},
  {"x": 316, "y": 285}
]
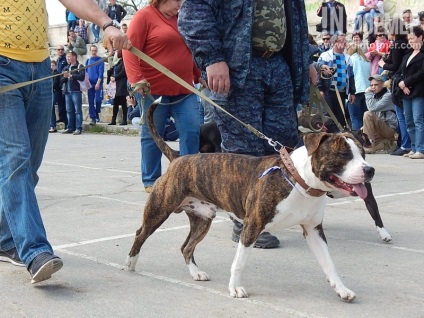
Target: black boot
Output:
[{"x": 265, "y": 240}]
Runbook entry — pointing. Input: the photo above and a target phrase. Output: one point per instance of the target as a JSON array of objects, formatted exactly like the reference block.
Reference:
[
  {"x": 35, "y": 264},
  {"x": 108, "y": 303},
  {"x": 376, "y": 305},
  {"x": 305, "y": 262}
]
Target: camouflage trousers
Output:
[{"x": 265, "y": 102}]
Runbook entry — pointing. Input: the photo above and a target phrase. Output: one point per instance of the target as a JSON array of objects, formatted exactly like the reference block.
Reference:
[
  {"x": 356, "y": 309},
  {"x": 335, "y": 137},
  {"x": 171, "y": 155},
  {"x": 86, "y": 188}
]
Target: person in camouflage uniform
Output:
[{"x": 254, "y": 56}]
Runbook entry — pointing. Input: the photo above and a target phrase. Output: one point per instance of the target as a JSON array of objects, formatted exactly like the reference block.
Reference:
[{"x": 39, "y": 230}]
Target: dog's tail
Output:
[{"x": 163, "y": 146}]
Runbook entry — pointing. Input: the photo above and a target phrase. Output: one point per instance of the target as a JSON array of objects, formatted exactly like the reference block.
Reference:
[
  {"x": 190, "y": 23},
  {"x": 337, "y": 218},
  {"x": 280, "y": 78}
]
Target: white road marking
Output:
[
  {"x": 200, "y": 287},
  {"x": 344, "y": 201},
  {"x": 90, "y": 168}
]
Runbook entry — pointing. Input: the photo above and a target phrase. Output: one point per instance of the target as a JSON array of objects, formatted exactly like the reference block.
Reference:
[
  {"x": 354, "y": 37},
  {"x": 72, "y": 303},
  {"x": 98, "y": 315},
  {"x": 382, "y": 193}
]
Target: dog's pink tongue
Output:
[{"x": 360, "y": 190}]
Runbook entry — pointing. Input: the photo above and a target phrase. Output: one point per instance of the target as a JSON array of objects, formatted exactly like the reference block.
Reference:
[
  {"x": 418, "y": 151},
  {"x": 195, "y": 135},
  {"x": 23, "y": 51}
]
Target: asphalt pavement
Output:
[{"x": 92, "y": 200}]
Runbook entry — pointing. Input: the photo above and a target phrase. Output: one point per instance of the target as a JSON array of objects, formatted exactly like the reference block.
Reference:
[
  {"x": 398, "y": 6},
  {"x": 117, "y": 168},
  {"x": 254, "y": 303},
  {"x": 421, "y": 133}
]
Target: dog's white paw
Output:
[
  {"x": 131, "y": 262},
  {"x": 346, "y": 294},
  {"x": 238, "y": 292},
  {"x": 201, "y": 276},
  {"x": 385, "y": 236},
  {"x": 196, "y": 273}
]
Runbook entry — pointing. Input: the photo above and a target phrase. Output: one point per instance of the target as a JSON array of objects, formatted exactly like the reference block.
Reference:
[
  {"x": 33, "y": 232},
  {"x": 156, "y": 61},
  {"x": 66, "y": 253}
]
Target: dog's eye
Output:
[{"x": 345, "y": 155}]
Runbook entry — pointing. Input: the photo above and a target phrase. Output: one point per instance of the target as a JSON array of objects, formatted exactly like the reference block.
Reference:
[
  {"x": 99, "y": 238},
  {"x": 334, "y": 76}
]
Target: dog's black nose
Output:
[{"x": 369, "y": 173}]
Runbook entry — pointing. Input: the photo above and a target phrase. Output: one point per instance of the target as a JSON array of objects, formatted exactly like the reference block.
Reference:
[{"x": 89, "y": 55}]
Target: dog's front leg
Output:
[
  {"x": 317, "y": 243},
  {"x": 239, "y": 263}
]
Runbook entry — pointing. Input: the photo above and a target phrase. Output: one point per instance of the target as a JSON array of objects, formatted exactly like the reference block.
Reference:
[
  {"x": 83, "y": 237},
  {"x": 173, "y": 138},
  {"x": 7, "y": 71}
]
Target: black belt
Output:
[{"x": 264, "y": 54}]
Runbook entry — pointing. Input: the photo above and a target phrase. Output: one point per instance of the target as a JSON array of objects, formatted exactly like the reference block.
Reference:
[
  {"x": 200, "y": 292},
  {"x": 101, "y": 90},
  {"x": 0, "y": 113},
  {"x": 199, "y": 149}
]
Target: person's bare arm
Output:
[{"x": 90, "y": 11}]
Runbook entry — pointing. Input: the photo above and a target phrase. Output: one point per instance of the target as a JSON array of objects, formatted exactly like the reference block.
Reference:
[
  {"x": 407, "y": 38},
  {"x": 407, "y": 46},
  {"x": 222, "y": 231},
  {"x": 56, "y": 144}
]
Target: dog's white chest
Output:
[{"x": 298, "y": 208}]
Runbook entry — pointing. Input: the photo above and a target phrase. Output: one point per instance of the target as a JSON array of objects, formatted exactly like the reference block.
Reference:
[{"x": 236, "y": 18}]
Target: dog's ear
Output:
[{"x": 313, "y": 140}]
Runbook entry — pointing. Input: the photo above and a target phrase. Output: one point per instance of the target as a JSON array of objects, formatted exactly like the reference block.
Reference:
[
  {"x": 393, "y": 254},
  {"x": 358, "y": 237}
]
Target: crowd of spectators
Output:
[
  {"x": 353, "y": 54},
  {"x": 385, "y": 50}
]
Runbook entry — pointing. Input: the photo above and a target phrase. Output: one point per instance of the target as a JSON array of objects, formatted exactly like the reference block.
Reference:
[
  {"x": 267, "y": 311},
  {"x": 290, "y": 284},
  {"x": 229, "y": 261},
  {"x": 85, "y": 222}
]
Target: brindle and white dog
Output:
[{"x": 203, "y": 184}]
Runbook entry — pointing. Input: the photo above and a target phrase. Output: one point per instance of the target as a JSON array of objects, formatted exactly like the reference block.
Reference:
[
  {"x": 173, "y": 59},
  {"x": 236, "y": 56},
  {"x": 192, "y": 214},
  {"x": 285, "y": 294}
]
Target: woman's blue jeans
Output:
[
  {"x": 74, "y": 110},
  {"x": 187, "y": 121},
  {"x": 25, "y": 115},
  {"x": 414, "y": 118},
  {"x": 96, "y": 31},
  {"x": 357, "y": 110},
  {"x": 405, "y": 142}
]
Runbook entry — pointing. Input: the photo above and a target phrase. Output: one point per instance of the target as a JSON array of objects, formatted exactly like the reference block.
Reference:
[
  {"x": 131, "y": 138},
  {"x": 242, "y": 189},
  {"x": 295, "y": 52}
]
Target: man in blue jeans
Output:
[
  {"x": 95, "y": 93},
  {"x": 73, "y": 96},
  {"x": 23, "y": 240}
]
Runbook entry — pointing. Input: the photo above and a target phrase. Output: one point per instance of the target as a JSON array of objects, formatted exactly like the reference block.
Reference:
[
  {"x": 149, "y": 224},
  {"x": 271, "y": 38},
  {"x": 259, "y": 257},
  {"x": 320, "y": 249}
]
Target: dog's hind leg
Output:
[
  {"x": 372, "y": 208},
  {"x": 318, "y": 245},
  {"x": 199, "y": 227},
  {"x": 154, "y": 216}
]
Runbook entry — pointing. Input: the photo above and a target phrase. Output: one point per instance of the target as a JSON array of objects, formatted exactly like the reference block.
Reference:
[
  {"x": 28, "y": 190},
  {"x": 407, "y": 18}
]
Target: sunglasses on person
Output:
[
  {"x": 378, "y": 35},
  {"x": 326, "y": 39},
  {"x": 60, "y": 49}
]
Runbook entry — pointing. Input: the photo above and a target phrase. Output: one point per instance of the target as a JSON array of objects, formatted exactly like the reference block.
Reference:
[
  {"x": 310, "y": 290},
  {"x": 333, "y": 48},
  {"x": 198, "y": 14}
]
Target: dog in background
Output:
[{"x": 210, "y": 138}]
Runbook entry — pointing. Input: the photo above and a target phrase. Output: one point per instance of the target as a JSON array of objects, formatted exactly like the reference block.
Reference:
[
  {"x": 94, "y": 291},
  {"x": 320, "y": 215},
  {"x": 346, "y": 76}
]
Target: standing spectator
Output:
[
  {"x": 391, "y": 64},
  {"x": 378, "y": 49},
  {"x": 153, "y": 30},
  {"x": 362, "y": 71},
  {"x": 76, "y": 43},
  {"x": 121, "y": 90},
  {"x": 81, "y": 30},
  {"x": 124, "y": 28},
  {"x": 251, "y": 79},
  {"x": 57, "y": 94},
  {"x": 71, "y": 21},
  {"x": 357, "y": 39},
  {"x": 380, "y": 120},
  {"x": 61, "y": 105},
  {"x": 343, "y": 78},
  {"x": 95, "y": 28},
  {"x": 334, "y": 17},
  {"x": 95, "y": 93},
  {"x": 115, "y": 11},
  {"x": 23, "y": 239},
  {"x": 408, "y": 20},
  {"x": 325, "y": 45},
  {"x": 73, "y": 95},
  {"x": 412, "y": 85}
]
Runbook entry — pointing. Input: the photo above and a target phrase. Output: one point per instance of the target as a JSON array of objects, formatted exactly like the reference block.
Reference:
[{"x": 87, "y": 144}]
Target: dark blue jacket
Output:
[
  {"x": 77, "y": 75},
  {"x": 61, "y": 63},
  {"x": 220, "y": 30}
]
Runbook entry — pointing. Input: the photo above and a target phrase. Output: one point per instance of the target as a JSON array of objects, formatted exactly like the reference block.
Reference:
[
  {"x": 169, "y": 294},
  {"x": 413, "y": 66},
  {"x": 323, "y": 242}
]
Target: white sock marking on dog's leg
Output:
[
  {"x": 131, "y": 262},
  {"x": 196, "y": 273},
  {"x": 320, "y": 249},
  {"x": 385, "y": 236},
  {"x": 239, "y": 263}
]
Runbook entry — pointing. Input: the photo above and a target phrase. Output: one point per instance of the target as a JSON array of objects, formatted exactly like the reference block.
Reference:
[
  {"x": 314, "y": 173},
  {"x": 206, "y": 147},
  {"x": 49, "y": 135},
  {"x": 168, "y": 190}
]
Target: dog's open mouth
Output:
[{"x": 353, "y": 189}]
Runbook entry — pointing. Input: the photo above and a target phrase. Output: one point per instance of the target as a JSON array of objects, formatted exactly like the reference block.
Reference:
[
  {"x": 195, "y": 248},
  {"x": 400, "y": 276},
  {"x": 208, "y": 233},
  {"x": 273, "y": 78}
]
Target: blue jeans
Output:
[
  {"x": 94, "y": 100},
  {"x": 187, "y": 120},
  {"x": 96, "y": 31},
  {"x": 357, "y": 110},
  {"x": 405, "y": 142},
  {"x": 57, "y": 95},
  {"x": 414, "y": 117},
  {"x": 359, "y": 20},
  {"x": 25, "y": 115},
  {"x": 74, "y": 110}
]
